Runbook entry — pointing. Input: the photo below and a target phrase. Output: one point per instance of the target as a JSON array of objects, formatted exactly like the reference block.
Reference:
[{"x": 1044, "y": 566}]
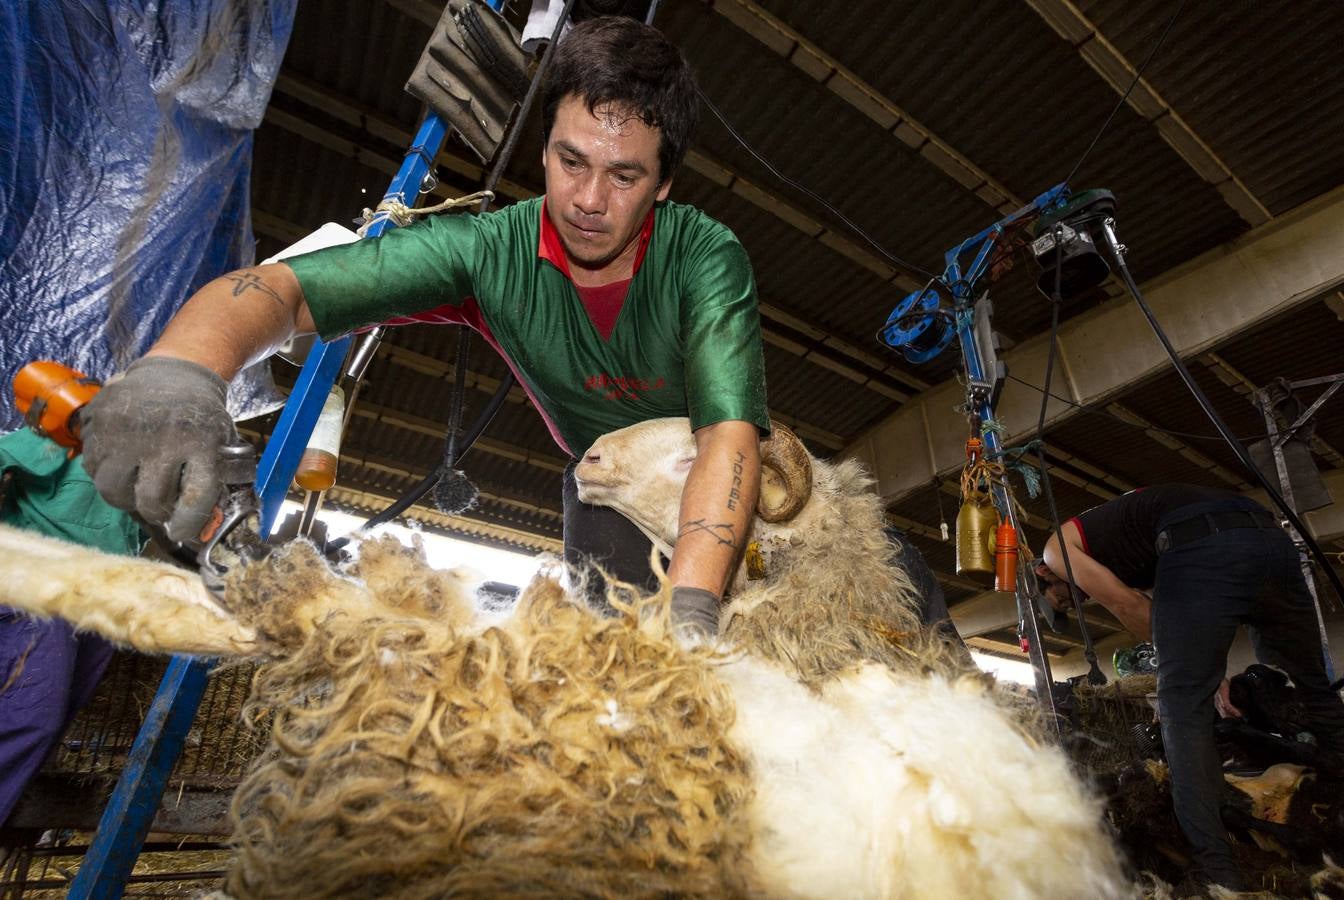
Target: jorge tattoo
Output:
[{"x": 735, "y": 492}]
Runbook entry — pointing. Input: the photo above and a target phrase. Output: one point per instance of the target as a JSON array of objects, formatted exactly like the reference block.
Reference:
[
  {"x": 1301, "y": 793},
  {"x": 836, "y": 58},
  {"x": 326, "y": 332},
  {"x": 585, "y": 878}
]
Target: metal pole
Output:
[
  {"x": 1266, "y": 405},
  {"x": 1026, "y": 611}
]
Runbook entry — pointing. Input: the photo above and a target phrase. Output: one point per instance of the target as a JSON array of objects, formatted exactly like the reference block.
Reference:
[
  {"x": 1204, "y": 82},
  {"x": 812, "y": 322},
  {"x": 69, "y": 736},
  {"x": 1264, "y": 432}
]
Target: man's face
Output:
[
  {"x": 601, "y": 181},
  {"x": 1054, "y": 589}
]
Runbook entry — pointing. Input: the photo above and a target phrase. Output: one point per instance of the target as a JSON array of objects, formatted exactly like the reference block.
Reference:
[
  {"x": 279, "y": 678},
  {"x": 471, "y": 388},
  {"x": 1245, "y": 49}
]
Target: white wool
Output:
[
  {"x": 614, "y": 718},
  {"x": 986, "y": 811},
  {"x": 889, "y": 787}
]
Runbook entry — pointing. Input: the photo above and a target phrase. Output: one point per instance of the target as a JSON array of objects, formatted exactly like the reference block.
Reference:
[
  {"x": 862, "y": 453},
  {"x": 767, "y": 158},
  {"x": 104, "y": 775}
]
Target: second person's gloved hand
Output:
[{"x": 152, "y": 440}]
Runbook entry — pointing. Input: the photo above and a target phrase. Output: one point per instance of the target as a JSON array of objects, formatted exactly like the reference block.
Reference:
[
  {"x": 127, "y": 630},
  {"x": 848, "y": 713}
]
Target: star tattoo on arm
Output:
[
  {"x": 250, "y": 281},
  {"x": 723, "y": 532}
]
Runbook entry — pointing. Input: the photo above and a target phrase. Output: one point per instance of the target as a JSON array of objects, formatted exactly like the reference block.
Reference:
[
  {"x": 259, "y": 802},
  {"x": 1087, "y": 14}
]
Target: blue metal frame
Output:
[
  {"x": 921, "y": 339},
  {"x": 130, "y": 810},
  {"x": 962, "y": 285}
]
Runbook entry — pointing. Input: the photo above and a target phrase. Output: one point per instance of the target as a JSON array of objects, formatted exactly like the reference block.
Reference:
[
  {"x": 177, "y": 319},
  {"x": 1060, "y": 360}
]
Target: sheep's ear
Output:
[{"x": 786, "y": 475}]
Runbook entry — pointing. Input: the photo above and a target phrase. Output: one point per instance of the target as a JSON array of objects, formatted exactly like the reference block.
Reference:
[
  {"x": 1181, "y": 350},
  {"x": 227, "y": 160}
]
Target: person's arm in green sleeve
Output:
[
  {"x": 152, "y": 436},
  {"x": 247, "y": 315}
]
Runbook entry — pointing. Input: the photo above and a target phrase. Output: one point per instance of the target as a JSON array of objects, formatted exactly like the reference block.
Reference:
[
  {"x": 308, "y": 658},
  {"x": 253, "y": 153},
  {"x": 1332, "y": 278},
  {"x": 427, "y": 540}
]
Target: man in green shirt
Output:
[{"x": 611, "y": 305}]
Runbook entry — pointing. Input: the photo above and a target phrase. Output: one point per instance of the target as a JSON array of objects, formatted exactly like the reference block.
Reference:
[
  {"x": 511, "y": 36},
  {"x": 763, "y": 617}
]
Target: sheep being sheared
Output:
[
  {"x": 826, "y": 595},
  {"x": 416, "y": 753}
]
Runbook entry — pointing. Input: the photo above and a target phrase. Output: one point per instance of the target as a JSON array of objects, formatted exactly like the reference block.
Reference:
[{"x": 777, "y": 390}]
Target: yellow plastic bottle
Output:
[{"x": 317, "y": 466}]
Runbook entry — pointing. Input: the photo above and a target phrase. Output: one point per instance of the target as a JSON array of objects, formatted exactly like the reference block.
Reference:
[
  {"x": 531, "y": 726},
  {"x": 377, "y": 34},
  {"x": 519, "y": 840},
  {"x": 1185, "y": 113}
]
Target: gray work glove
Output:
[
  {"x": 152, "y": 439},
  {"x": 695, "y": 614}
]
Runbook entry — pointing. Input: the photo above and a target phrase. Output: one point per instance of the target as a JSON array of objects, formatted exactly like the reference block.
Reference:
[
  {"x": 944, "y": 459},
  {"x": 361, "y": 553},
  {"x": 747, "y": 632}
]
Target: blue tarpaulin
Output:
[{"x": 125, "y": 156}]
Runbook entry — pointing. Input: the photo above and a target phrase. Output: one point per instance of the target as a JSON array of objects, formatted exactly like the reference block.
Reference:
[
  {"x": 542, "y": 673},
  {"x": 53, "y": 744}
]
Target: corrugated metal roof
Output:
[{"x": 1257, "y": 81}]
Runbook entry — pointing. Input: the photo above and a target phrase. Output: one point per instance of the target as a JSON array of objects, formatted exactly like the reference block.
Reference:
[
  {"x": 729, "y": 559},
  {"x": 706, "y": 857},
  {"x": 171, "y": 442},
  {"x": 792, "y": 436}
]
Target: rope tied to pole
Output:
[{"x": 401, "y": 215}]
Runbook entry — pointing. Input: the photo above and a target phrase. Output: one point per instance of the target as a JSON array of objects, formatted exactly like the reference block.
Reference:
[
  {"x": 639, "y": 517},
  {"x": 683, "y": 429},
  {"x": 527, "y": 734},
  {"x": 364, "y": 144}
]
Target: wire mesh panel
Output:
[{"x": 219, "y": 746}]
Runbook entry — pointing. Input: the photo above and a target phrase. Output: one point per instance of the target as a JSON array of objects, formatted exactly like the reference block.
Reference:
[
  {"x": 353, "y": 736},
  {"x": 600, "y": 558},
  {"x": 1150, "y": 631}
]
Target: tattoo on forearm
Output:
[
  {"x": 723, "y": 532},
  {"x": 735, "y": 492},
  {"x": 249, "y": 281}
]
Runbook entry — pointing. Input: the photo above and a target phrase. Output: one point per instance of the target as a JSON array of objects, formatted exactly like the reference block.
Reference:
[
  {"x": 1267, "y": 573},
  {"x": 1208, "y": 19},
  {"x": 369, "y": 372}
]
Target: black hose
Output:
[
  {"x": 455, "y": 450},
  {"x": 1242, "y": 455},
  {"x": 458, "y": 401},
  {"x": 1094, "y": 673},
  {"x": 426, "y": 484}
]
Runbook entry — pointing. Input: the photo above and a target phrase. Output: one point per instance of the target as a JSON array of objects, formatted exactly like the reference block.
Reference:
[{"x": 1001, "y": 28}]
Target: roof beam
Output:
[
  {"x": 702, "y": 164},
  {"x": 1071, "y": 24},
  {"x": 1271, "y": 269},
  {"x": 868, "y": 100},
  {"x": 772, "y": 314}
]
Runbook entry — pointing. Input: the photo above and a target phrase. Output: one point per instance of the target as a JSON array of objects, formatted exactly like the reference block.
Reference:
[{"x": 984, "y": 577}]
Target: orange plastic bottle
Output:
[
  {"x": 1005, "y": 558},
  {"x": 317, "y": 466}
]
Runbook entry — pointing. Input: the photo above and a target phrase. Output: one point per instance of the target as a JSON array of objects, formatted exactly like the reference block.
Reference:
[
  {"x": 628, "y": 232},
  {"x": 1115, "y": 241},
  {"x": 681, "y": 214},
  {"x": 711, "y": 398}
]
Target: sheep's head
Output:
[{"x": 640, "y": 471}]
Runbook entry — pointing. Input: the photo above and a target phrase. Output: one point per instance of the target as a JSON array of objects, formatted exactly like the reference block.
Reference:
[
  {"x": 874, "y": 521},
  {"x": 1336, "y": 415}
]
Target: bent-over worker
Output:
[{"x": 1213, "y": 560}]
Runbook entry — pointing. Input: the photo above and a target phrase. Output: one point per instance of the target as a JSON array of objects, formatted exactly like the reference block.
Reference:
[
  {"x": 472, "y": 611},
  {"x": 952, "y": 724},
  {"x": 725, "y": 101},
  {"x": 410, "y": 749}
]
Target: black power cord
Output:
[
  {"x": 1094, "y": 673},
  {"x": 454, "y": 449},
  {"x": 891, "y": 257},
  {"x": 1117, "y": 252},
  {"x": 1125, "y": 96}
]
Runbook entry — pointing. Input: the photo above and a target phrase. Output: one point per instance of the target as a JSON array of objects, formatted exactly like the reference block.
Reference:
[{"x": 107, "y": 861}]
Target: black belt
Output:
[{"x": 1201, "y": 526}]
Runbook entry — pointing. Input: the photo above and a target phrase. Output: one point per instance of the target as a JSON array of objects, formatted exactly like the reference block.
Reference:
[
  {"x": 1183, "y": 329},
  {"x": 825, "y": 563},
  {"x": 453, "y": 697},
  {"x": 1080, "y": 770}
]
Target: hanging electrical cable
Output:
[
  {"x": 1094, "y": 673},
  {"x": 1243, "y": 456},
  {"x": 454, "y": 492},
  {"x": 849, "y": 223},
  {"x": 1138, "y": 74}
]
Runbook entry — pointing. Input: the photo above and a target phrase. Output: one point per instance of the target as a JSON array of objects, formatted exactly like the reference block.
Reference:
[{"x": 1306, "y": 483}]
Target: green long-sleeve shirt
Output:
[{"x": 686, "y": 341}]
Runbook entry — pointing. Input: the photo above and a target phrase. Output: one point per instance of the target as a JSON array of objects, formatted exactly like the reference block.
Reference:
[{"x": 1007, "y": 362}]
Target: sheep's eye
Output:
[{"x": 684, "y": 464}]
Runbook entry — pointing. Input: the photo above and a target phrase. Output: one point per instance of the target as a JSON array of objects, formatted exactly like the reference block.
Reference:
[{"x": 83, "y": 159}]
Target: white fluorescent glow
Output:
[
  {"x": 1005, "y": 669},
  {"x": 491, "y": 563}
]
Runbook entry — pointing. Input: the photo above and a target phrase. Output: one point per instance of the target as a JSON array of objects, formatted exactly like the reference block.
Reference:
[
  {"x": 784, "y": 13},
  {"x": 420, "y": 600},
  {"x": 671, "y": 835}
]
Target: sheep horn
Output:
[{"x": 786, "y": 475}]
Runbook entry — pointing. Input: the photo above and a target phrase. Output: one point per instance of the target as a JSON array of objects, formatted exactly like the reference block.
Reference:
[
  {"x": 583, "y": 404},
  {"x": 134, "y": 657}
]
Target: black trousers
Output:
[
  {"x": 600, "y": 536},
  {"x": 1204, "y": 590}
]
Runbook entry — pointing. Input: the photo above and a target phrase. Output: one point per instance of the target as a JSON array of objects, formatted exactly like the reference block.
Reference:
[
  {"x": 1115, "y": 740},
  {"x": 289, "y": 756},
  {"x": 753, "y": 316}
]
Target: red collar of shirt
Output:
[{"x": 551, "y": 249}]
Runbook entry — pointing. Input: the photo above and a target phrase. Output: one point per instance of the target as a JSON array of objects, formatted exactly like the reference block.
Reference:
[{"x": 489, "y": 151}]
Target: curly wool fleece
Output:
[{"x": 558, "y": 753}]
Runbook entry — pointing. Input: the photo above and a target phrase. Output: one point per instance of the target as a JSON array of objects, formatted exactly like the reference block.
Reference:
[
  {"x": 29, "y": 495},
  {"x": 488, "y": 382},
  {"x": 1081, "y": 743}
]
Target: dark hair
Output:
[{"x": 618, "y": 61}]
